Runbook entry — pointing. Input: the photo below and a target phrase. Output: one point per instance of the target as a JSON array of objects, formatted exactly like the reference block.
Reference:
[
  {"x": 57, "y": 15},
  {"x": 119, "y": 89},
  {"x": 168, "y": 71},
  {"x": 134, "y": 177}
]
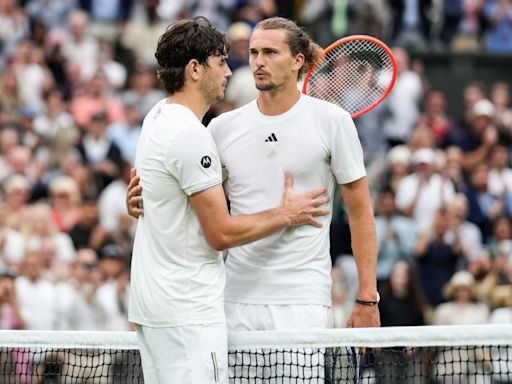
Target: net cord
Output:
[{"x": 426, "y": 336}]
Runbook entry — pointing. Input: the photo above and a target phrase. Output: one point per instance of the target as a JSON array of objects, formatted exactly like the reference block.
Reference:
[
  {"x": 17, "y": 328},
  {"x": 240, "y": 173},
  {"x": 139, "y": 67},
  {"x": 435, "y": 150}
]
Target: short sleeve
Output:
[
  {"x": 193, "y": 160},
  {"x": 347, "y": 161}
]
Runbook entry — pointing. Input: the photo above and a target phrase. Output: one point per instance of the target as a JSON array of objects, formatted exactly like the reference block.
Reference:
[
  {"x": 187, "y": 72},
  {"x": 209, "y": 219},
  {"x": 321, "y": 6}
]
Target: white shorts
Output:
[
  {"x": 261, "y": 317},
  {"x": 298, "y": 366},
  {"x": 195, "y": 354}
]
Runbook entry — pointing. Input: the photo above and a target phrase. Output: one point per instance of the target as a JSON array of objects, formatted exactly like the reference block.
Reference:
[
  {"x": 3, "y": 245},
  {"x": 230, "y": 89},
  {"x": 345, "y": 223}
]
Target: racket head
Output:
[{"x": 356, "y": 72}]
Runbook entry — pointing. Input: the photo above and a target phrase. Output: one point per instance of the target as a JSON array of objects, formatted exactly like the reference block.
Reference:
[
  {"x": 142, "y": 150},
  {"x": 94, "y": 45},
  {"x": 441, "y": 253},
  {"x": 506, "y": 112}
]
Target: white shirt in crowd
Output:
[
  {"x": 176, "y": 278},
  {"x": 317, "y": 143}
]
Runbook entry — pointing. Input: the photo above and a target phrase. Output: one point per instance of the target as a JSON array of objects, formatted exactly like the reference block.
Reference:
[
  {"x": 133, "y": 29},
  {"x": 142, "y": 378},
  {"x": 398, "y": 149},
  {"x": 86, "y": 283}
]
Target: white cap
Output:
[
  {"x": 484, "y": 108},
  {"x": 424, "y": 156}
]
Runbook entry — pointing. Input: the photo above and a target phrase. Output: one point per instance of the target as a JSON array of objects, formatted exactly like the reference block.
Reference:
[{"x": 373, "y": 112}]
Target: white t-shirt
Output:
[
  {"x": 176, "y": 278},
  {"x": 317, "y": 143}
]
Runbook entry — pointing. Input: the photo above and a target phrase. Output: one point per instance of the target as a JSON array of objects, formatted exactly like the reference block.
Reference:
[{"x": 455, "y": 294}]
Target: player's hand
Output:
[
  {"x": 134, "y": 203},
  {"x": 303, "y": 208},
  {"x": 364, "y": 316}
]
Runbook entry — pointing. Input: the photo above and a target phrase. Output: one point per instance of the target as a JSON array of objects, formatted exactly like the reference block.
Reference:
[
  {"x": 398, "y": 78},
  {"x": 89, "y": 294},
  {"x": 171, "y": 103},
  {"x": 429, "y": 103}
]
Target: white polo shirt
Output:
[
  {"x": 317, "y": 143},
  {"x": 176, "y": 278}
]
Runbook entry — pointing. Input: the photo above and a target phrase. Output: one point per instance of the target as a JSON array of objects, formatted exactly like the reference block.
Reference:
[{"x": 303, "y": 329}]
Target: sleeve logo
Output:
[{"x": 206, "y": 161}]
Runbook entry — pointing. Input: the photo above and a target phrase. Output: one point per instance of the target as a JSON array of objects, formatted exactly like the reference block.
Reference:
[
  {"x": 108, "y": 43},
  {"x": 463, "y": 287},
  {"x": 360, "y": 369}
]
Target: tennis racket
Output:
[{"x": 356, "y": 72}]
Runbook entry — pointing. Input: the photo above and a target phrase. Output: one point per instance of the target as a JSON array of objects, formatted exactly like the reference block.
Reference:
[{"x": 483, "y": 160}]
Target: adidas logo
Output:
[{"x": 272, "y": 137}]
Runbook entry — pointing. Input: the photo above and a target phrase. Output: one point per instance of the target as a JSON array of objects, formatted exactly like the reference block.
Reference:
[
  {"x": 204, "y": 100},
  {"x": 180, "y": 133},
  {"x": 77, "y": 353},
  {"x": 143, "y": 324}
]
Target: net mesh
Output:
[
  {"x": 356, "y": 75},
  {"x": 476, "y": 355}
]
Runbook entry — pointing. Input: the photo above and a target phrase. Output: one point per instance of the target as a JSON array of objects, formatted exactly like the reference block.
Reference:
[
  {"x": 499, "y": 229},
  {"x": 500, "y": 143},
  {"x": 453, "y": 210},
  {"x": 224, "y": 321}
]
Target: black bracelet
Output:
[{"x": 368, "y": 303}]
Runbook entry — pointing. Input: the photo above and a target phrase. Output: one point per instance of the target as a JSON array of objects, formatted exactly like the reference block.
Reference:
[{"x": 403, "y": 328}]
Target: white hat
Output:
[
  {"x": 484, "y": 108},
  {"x": 424, "y": 156},
  {"x": 459, "y": 279},
  {"x": 399, "y": 154},
  {"x": 239, "y": 30}
]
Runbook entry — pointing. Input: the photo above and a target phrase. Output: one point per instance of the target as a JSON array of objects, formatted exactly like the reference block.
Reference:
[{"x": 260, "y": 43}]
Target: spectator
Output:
[
  {"x": 500, "y": 175},
  {"x": 396, "y": 236},
  {"x": 499, "y": 33},
  {"x": 78, "y": 46},
  {"x": 500, "y": 97},
  {"x": 402, "y": 301},
  {"x": 424, "y": 191},
  {"x": 11, "y": 242},
  {"x": 111, "y": 202},
  {"x": 112, "y": 292},
  {"x": 51, "y": 13},
  {"x": 142, "y": 90},
  {"x": 461, "y": 309},
  {"x": 434, "y": 116},
  {"x": 17, "y": 193},
  {"x": 403, "y": 101},
  {"x": 437, "y": 259},
  {"x": 10, "y": 312},
  {"x": 95, "y": 100},
  {"x": 98, "y": 152},
  {"x": 14, "y": 27},
  {"x": 86, "y": 233},
  {"x": 484, "y": 206},
  {"x": 125, "y": 135},
  {"x": 37, "y": 296},
  {"x": 10, "y": 96},
  {"x": 467, "y": 234},
  {"x": 78, "y": 305},
  {"x": 65, "y": 198}
]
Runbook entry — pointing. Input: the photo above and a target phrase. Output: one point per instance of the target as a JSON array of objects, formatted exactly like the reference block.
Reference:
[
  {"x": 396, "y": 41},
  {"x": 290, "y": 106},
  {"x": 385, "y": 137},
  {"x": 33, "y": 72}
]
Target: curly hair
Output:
[
  {"x": 183, "y": 41},
  {"x": 296, "y": 38}
]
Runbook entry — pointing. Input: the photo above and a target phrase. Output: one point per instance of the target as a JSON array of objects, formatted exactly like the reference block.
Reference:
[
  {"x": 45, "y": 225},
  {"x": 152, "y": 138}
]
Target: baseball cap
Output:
[{"x": 423, "y": 156}]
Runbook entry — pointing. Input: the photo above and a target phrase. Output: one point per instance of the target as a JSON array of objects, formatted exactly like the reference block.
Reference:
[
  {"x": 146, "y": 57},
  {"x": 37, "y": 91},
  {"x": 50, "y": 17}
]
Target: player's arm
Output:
[
  {"x": 356, "y": 196},
  {"x": 223, "y": 231}
]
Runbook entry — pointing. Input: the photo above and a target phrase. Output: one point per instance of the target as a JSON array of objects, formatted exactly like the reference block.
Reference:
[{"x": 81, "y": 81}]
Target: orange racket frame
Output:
[{"x": 345, "y": 40}]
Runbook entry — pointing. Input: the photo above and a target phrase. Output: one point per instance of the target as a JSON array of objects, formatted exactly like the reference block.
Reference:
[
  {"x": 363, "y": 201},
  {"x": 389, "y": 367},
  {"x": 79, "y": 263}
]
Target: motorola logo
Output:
[{"x": 206, "y": 161}]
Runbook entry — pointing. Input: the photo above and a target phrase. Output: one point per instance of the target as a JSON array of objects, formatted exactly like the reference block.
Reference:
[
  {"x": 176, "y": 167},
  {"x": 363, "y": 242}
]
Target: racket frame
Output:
[{"x": 347, "y": 39}]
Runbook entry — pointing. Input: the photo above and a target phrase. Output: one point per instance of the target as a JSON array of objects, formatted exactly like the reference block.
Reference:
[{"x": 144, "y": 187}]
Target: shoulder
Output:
[
  {"x": 327, "y": 108},
  {"x": 227, "y": 120}
]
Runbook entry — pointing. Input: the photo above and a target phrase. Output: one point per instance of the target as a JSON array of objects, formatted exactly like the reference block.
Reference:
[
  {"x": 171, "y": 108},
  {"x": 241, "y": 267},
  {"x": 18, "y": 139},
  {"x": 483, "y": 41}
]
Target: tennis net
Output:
[{"x": 442, "y": 354}]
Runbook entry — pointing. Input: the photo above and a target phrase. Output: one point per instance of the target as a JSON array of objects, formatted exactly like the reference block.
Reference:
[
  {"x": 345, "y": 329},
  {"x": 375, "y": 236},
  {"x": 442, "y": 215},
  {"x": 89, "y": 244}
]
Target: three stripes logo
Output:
[{"x": 271, "y": 138}]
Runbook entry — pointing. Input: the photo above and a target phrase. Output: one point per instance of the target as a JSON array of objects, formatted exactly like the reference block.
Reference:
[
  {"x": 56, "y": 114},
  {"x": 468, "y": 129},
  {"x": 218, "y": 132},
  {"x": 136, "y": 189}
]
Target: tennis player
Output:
[
  {"x": 177, "y": 281},
  {"x": 283, "y": 281}
]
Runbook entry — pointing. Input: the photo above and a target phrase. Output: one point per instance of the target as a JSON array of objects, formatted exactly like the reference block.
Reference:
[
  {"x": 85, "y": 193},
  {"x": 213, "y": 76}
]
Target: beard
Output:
[{"x": 266, "y": 87}]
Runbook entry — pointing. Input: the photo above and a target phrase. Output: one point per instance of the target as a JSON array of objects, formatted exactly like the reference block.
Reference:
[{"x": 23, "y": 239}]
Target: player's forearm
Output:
[
  {"x": 364, "y": 246},
  {"x": 239, "y": 230}
]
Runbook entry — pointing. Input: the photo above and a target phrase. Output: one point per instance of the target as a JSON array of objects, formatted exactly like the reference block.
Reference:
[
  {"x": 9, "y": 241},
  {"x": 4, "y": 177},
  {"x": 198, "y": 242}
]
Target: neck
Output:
[
  {"x": 192, "y": 100},
  {"x": 274, "y": 103}
]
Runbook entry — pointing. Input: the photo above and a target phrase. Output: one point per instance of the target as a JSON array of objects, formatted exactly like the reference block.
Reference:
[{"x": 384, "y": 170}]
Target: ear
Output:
[
  {"x": 299, "y": 61},
  {"x": 193, "y": 70}
]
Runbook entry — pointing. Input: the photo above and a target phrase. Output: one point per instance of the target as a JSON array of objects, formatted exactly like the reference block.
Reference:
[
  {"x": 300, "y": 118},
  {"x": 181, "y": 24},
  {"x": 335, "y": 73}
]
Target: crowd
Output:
[{"x": 77, "y": 77}]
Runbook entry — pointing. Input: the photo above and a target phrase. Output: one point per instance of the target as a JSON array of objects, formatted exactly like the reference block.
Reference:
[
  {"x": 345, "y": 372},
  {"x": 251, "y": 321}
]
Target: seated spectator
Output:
[
  {"x": 125, "y": 135},
  {"x": 87, "y": 233},
  {"x": 11, "y": 242},
  {"x": 461, "y": 308}
]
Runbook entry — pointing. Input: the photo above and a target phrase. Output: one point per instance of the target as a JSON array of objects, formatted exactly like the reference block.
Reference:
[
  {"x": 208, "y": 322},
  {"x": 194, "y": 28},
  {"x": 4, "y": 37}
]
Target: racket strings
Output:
[{"x": 354, "y": 75}]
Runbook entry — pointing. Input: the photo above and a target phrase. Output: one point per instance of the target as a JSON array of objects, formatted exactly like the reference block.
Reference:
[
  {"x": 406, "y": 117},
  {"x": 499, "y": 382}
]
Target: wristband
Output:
[{"x": 369, "y": 303}]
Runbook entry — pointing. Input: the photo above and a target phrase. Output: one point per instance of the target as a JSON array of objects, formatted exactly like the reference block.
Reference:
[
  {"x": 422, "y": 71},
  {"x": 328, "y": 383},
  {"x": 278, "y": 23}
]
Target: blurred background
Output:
[{"x": 77, "y": 78}]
